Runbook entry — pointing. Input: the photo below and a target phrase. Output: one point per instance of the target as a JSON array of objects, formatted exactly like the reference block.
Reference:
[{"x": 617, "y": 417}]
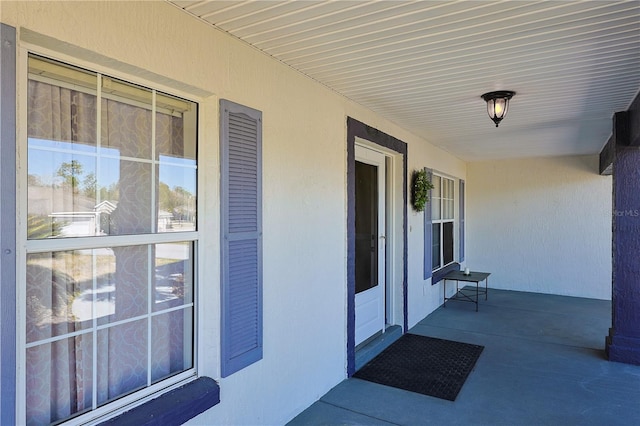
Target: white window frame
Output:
[
  {"x": 25, "y": 246},
  {"x": 440, "y": 221}
]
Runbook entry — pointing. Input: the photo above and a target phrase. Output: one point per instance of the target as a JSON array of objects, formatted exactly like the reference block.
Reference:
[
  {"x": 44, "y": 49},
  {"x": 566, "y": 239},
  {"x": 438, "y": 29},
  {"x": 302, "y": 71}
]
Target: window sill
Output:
[
  {"x": 174, "y": 407},
  {"x": 440, "y": 273}
]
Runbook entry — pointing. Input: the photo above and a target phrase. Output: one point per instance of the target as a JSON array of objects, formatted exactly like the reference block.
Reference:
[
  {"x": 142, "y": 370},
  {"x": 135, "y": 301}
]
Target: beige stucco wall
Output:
[{"x": 304, "y": 171}]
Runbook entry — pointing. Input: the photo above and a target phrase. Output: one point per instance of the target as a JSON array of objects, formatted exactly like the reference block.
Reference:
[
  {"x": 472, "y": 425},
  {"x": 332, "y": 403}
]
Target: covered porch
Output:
[
  {"x": 543, "y": 363},
  {"x": 534, "y": 202}
]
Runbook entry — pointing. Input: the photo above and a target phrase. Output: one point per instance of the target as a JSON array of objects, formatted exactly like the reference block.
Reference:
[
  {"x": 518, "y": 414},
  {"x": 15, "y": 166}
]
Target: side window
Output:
[
  {"x": 111, "y": 242},
  {"x": 241, "y": 181},
  {"x": 442, "y": 221}
]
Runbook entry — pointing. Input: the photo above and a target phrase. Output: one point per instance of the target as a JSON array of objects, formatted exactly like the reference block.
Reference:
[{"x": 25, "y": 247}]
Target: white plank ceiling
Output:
[{"x": 424, "y": 64}]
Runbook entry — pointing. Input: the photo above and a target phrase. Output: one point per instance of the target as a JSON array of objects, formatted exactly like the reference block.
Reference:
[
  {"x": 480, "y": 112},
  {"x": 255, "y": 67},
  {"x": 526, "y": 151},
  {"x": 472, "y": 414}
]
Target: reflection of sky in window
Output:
[
  {"x": 109, "y": 172},
  {"x": 46, "y": 156},
  {"x": 179, "y": 175},
  {"x": 45, "y": 164}
]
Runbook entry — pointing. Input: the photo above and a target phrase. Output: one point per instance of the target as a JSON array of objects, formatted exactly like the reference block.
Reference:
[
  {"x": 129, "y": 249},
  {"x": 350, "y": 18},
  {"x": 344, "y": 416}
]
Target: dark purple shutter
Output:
[
  {"x": 8, "y": 222},
  {"x": 241, "y": 214}
]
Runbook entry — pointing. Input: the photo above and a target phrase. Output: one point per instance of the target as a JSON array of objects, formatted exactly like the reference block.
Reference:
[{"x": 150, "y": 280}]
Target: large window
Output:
[
  {"x": 442, "y": 221},
  {"x": 111, "y": 241}
]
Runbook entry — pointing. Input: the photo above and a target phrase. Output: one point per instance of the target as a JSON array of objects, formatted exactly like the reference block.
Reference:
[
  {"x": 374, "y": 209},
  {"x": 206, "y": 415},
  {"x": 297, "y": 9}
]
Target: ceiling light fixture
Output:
[{"x": 497, "y": 104}]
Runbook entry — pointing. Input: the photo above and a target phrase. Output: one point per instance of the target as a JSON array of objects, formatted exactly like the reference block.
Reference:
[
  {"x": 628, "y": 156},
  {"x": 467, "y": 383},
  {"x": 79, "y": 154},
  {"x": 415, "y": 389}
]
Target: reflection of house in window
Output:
[
  {"x": 165, "y": 220},
  {"x": 84, "y": 223},
  {"x": 98, "y": 221},
  {"x": 103, "y": 212}
]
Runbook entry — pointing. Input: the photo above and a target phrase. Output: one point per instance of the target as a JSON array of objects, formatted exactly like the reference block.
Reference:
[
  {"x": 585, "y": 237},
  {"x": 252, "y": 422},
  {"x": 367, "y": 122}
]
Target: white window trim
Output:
[
  {"x": 441, "y": 221},
  {"x": 25, "y": 246}
]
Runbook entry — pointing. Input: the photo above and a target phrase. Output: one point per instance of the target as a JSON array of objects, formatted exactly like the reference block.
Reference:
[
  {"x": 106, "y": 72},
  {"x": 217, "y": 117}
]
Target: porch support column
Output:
[{"x": 623, "y": 342}]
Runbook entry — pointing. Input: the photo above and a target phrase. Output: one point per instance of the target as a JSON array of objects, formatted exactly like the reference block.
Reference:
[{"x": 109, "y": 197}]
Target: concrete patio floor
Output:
[{"x": 543, "y": 364}]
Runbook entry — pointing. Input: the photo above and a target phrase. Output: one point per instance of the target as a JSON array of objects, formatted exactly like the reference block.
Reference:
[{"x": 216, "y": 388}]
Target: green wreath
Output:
[{"x": 420, "y": 187}]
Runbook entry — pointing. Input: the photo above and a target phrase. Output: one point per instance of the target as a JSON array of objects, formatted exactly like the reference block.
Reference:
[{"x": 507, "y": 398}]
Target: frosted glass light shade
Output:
[{"x": 498, "y": 104}]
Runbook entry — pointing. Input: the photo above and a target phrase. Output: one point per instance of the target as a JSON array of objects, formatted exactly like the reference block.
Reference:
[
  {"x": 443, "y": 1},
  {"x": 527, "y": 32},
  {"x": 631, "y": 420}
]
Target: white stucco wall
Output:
[
  {"x": 541, "y": 225},
  {"x": 304, "y": 176}
]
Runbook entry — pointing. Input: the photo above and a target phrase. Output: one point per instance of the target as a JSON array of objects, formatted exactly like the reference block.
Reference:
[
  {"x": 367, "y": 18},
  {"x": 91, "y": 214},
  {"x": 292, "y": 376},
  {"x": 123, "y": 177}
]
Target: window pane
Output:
[
  {"x": 448, "y": 209},
  {"x": 436, "y": 202},
  {"x": 450, "y": 189},
  {"x": 122, "y": 359},
  {"x": 176, "y": 131},
  {"x": 61, "y": 193},
  {"x": 61, "y": 130},
  {"x": 445, "y": 208},
  {"x": 60, "y": 291},
  {"x": 435, "y": 192},
  {"x": 64, "y": 111},
  {"x": 129, "y": 288},
  {"x": 366, "y": 268},
  {"x": 435, "y": 250},
  {"x": 126, "y": 118},
  {"x": 133, "y": 212},
  {"x": 177, "y": 196},
  {"x": 59, "y": 379},
  {"x": 78, "y": 187},
  {"x": 436, "y": 207},
  {"x": 69, "y": 197},
  {"x": 104, "y": 294},
  {"x": 173, "y": 275},
  {"x": 447, "y": 242},
  {"x": 171, "y": 334}
]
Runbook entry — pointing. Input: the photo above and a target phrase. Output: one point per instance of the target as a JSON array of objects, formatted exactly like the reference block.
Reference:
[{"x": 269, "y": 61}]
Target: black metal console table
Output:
[{"x": 466, "y": 295}]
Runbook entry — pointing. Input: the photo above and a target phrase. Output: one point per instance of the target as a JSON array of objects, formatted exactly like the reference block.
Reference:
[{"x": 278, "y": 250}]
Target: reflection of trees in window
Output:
[
  {"x": 34, "y": 180},
  {"x": 89, "y": 185},
  {"x": 73, "y": 176},
  {"x": 70, "y": 172},
  {"x": 110, "y": 192},
  {"x": 178, "y": 201},
  {"x": 41, "y": 226}
]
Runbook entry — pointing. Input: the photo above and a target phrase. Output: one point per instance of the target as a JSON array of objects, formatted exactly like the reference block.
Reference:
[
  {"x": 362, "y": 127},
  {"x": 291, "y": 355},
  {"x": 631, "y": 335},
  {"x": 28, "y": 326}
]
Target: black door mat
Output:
[{"x": 426, "y": 365}]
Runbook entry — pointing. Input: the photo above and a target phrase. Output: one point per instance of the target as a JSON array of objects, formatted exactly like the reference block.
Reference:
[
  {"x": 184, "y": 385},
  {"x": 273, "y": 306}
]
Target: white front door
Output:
[{"x": 370, "y": 242}]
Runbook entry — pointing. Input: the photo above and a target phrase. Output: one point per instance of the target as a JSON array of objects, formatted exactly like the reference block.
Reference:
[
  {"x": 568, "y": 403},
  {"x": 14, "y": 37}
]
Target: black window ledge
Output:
[
  {"x": 174, "y": 407},
  {"x": 440, "y": 273}
]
